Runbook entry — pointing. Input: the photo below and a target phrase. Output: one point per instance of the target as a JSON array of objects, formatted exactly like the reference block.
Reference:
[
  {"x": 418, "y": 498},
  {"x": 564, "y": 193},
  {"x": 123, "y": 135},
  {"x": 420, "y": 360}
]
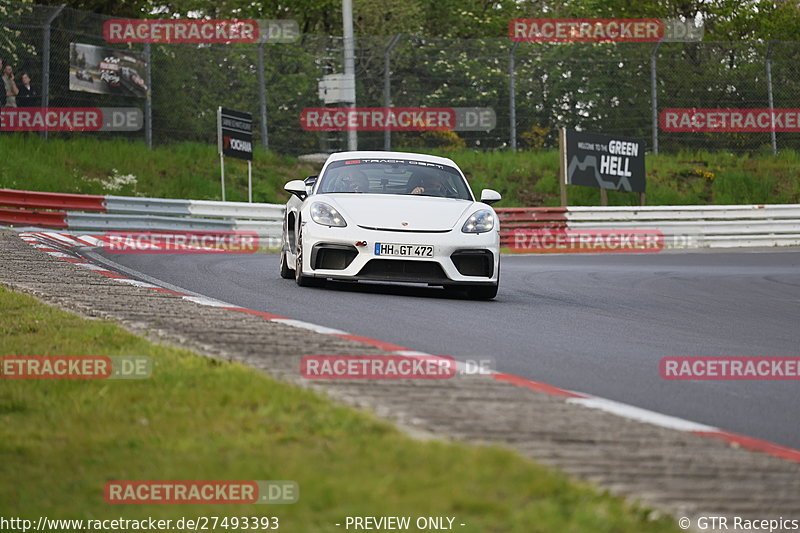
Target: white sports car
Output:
[{"x": 393, "y": 217}]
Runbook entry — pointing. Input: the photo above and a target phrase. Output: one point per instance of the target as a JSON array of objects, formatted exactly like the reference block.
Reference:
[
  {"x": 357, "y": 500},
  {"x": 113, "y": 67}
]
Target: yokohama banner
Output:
[{"x": 235, "y": 133}]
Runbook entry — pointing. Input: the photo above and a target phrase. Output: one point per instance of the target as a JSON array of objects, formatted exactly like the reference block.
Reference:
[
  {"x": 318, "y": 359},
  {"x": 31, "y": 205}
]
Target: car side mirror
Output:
[
  {"x": 310, "y": 182},
  {"x": 297, "y": 188},
  {"x": 489, "y": 196}
]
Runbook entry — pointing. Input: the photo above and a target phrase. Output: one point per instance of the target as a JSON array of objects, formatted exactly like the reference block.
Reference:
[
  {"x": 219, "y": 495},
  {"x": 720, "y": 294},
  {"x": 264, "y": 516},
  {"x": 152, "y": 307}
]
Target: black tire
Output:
[
  {"x": 286, "y": 272},
  {"x": 299, "y": 278},
  {"x": 482, "y": 292}
]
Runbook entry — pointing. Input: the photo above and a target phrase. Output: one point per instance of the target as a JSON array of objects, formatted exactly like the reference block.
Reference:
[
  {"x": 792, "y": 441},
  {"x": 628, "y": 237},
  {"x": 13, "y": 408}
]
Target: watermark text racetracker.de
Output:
[
  {"x": 75, "y": 367},
  {"x": 398, "y": 119},
  {"x": 730, "y": 368},
  {"x": 747, "y": 120},
  {"x": 72, "y": 119},
  {"x": 558, "y": 30},
  {"x": 378, "y": 119},
  {"x": 392, "y": 367},
  {"x": 195, "y": 31},
  {"x": 546, "y": 240},
  {"x": 185, "y": 242},
  {"x": 561, "y": 240},
  {"x": 201, "y": 492}
]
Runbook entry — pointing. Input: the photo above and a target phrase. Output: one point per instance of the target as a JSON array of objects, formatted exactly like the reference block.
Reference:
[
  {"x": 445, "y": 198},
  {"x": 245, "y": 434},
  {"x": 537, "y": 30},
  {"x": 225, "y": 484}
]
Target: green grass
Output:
[
  {"x": 186, "y": 170},
  {"x": 528, "y": 178},
  {"x": 686, "y": 178},
  {"x": 198, "y": 418}
]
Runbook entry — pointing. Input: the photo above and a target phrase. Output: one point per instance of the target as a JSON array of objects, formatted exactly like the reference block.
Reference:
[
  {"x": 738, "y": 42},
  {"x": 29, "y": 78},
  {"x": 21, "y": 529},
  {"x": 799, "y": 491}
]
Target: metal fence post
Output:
[
  {"x": 349, "y": 64},
  {"x": 46, "y": 58},
  {"x": 512, "y": 97},
  {"x": 654, "y": 96},
  {"x": 387, "y": 87},
  {"x": 771, "y": 102},
  {"x": 148, "y": 102},
  {"x": 262, "y": 96}
]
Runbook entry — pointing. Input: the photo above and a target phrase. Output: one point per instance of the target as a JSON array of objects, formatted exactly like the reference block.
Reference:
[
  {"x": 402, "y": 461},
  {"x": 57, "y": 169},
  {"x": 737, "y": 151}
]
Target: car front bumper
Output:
[{"x": 475, "y": 253}]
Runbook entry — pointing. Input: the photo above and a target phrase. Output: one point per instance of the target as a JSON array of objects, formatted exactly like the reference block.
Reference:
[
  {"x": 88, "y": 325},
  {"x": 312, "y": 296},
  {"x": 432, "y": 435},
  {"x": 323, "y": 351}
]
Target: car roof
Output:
[{"x": 379, "y": 154}]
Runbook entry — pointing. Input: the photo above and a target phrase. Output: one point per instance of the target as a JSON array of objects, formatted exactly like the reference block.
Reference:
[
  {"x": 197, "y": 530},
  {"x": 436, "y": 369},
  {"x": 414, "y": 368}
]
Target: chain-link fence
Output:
[{"x": 533, "y": 88}]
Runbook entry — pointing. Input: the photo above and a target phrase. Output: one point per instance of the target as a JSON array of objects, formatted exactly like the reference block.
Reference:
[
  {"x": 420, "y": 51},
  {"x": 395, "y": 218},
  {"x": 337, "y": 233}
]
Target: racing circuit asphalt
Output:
[{"x": 598, "y": 324}]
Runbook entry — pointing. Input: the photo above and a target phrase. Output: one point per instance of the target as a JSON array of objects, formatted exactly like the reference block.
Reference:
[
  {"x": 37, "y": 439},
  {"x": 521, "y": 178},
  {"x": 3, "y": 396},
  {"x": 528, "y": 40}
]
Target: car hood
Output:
[{"x": 400, "y": 212}]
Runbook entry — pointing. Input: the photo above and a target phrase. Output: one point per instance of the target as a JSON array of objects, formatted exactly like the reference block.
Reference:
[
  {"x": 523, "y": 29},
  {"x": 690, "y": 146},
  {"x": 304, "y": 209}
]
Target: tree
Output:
[{"x": 15, "y": 43}]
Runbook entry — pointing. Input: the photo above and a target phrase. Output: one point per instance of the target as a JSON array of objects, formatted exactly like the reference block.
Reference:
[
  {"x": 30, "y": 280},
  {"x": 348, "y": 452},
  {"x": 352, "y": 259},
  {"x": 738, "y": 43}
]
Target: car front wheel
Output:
[
  {"x": 299, "y": 278},
  {"x": 484, "y": 292},
  {"x": 286, "y": 272}
]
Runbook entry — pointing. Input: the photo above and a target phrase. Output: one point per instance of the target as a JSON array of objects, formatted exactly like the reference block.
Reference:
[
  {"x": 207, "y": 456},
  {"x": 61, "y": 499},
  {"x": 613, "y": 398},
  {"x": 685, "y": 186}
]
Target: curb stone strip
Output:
[
  {"x": 657, "y": 465},
  {"x": 586, "y": 400}
]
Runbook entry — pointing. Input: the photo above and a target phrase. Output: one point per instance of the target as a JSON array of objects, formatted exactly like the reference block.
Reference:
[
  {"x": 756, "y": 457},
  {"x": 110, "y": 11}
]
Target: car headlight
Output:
[
  {"x": 324, "y": 214},
  {"x": 479, "y": 222}
]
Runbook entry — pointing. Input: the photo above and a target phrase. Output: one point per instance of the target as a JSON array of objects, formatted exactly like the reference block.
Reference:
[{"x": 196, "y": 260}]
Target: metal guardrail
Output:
[
  {"x": 95, "y": 222},
  {"x": 202, "y": 208},
  {"x": 91, "y": 213},
  {"x": 50, "y": 200},
  {"x": 718, "y": 226},
  {"x": 687, "y": 212},
  {"x": 684, "y": 226}
]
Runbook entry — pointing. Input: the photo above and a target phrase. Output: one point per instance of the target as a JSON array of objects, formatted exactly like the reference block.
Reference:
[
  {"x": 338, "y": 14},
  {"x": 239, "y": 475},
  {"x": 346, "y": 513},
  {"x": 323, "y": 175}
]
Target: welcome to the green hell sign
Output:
[{"x": 604, "y": 161}]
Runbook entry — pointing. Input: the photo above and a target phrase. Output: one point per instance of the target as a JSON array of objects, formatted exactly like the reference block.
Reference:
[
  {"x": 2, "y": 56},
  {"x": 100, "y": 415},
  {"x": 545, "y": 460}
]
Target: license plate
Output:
[{"x": 403, "y": 250}]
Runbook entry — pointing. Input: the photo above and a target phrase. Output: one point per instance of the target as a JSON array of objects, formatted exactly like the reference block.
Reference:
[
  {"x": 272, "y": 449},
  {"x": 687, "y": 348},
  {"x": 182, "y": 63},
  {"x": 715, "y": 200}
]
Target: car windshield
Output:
[{"x": 394, "y": 176}]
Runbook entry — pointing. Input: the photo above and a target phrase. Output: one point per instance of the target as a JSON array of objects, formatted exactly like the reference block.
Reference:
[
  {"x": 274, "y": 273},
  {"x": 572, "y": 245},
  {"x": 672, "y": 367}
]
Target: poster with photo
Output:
[{"x": 96, "y": 69}]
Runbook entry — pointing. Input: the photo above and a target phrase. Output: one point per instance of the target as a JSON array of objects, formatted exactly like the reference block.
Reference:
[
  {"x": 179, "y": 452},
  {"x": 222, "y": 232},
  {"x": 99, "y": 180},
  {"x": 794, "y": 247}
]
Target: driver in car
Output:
[
  {"x": 431, "y": 186},
  {"x": 355, "y": 181}
]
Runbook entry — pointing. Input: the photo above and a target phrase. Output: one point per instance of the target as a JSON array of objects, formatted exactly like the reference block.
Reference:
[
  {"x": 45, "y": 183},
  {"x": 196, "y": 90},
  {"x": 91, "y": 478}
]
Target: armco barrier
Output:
[
  {"x": 696, "y": 226},
  {"x": 25, "y": 217},
  {"x": 716, "y": 226},
  {"x": 92, "y": 214},
  {"x": 50, "y": 200}
]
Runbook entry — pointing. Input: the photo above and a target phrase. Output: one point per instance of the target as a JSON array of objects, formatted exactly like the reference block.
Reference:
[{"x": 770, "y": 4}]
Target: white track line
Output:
[
  {"x": 210, "y": 302},
  {"x": 308, "y": 325},
  {"x": 137, "y": 283},
  {"x": 641, "y": 415}
]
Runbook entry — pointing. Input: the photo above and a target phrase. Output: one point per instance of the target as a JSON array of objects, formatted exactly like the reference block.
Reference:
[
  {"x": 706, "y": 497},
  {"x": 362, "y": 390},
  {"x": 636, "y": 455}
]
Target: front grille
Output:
[
  {"x": 332, "y": 256},
  {"x": 474, "y": 262},
  {"x": 403, "y": 270}
]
